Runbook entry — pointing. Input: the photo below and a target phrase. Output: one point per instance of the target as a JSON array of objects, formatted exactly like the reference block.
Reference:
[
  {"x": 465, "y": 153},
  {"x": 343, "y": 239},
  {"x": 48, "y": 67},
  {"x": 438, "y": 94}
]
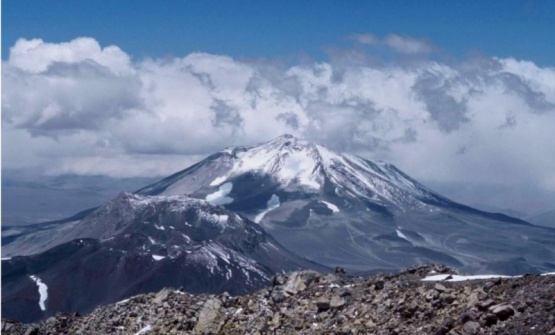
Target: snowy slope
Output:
[{"x": 298, "y": 164}]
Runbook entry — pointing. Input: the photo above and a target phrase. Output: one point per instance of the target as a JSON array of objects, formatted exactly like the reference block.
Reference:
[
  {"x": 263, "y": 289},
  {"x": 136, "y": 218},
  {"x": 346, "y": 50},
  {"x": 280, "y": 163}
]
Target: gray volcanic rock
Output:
[
  {"x": 137, "y": 244},
  {"x": 401, "y": 306}
]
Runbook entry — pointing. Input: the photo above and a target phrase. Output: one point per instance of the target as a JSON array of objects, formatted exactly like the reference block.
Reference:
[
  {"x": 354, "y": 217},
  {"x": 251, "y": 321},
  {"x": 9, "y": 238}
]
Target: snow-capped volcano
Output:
[
  {"x": 296, "y": 164},
  {"x": 340, "y": 209}
]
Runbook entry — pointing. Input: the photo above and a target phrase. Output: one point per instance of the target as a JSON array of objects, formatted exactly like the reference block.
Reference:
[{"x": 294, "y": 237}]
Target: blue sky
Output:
[{"x": 252, "y": 29}]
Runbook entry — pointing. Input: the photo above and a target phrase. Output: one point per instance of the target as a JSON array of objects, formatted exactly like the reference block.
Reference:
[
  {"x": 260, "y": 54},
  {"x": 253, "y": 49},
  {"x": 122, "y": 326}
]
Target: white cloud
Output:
[
  {"x": 401, "y": 44},
  {"x": 367, "y": 38},
  {"x": 77, "y": 107},
  {"x": 407, "y": 45},
  {"x": 36, "y": 56}
]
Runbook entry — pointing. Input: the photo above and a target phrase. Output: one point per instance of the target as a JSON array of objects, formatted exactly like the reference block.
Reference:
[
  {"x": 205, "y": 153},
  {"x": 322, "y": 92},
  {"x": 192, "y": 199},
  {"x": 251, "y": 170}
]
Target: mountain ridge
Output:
[{"x": 139, "y": 244}]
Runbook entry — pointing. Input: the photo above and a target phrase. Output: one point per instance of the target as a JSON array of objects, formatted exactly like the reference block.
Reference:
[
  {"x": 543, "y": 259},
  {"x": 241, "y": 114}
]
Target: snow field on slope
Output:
[
  {"x": 454, "y": 278},
  {"x": 401, "y": 235},
  {"x": 220, "y": 196},
  {"x": 218, "y": 181},
  {"x": 272, "y": 204},
  {"x": 331, "y": 206},
  {"x": 287, "y": 164},
  {"x": 43, "y": 291}
]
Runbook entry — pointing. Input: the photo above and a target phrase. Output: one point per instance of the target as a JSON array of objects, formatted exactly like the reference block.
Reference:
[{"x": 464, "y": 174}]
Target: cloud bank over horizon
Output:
[{"x": 78, "y": 107}]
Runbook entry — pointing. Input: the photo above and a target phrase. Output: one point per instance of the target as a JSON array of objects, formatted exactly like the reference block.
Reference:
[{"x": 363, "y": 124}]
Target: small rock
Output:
[
  {"x": 490, "y": 319},
  {"x": 32, "y": 331},
  {"x": 370, "y": 324},
  {"x": 488, "y": 286},
  {"x": 484, "y": 305},
  {"x": 209, "y": 318},
  {"x": 444, "y": 327},
  {"x": 448, "y": 299},
  {"x": 440, "y": 288},
  {"x": 471, "y": 327},
  {"x": 299, "y": 281},
  {"x": 471, "y": 315},
  {"x": 379, "y": 285},
  {"x": 161, "y": 296},
  {"x": 339, "y": 271},
  {"x": 323, "y": 305},
  {"x": 278, "y": 280},
  {"x": 278, "y": 296},
  {"x": 344, "y": 292},
  {"x": 337, "y": 302},
  {"x": 503, "y": 312},
  {"x": 432, "y": 295}
]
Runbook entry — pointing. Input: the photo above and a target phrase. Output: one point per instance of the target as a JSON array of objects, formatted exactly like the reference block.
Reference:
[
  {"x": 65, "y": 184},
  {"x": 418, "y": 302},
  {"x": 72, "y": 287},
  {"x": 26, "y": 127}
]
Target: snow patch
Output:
[
  {"x": 6, "y": 258},
  {"x": 401, "y": 235},
  {"x": 331, "y": 206},
  {"x": 443, "y": 277},
  {"x": 43, "y": 291},
  {"x": 218, "y": 181},
  {"x": 272, "y": 204},
  {"x": 220, "y": 196},
  {"x": 145, "y": 330},
  {"x": 187, "y": 238},
  {"x": 158, "y": 258}
]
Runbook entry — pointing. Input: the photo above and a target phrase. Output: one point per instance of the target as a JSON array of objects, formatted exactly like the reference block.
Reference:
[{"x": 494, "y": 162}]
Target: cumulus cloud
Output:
[
  {"x": 407, "y": 45},
  {"x": 36, "y": 56},
  {"x": 77, "y": 107},
  {"x": 398, "y": 43}
]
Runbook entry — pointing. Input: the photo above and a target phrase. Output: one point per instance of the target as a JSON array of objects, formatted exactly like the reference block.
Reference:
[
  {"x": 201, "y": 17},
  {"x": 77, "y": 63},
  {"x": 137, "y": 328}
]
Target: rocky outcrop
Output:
[{"x": 307, "y": 302}]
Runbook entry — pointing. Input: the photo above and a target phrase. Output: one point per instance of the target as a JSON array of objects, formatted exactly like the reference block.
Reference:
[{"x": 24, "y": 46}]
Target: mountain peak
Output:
[
  {"x": 287, "y": 158},
  {"x": 297, "y": 164},
  {"x": 289, "y": 141}
]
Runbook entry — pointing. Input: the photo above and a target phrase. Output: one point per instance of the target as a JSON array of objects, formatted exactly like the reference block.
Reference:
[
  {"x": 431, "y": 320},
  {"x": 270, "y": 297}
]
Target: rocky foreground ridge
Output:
[{"x": 308, "y": 302}]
